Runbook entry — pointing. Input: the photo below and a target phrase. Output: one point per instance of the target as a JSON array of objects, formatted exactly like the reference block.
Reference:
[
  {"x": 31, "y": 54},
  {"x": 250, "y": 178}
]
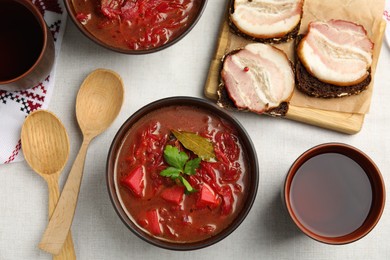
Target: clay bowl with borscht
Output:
[
  {"x": 135, "y": 27},
  {"x": 182, "y": 174}
]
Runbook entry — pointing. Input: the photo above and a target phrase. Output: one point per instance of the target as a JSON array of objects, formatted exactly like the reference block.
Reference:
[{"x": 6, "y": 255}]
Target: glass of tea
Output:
[
  {"x": 334, "y": 193},
  {"x": 26, "y": 45}
]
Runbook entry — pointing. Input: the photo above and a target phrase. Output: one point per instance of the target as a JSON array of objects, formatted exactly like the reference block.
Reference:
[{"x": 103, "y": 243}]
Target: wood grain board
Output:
[{"x": 349, "y": 123}]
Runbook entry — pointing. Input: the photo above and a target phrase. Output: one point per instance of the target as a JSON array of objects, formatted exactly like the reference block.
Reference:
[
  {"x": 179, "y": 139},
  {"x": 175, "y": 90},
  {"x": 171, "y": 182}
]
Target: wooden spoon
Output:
[
  {"x": 98, "y": 103},
  {"x": 46, "y": 149}
]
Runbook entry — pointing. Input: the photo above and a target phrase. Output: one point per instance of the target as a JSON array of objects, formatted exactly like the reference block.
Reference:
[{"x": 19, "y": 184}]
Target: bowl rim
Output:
[
  {"x": 375, "y": 213},
  {"x": 186, "y": 101},
  {"x": 89, "y": 35}
]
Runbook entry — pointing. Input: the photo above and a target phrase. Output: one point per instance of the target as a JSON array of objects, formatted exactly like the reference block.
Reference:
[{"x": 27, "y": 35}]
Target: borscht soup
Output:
[
  {"x": 136, "y": 24},
  {"x": 181, "y": 174}
]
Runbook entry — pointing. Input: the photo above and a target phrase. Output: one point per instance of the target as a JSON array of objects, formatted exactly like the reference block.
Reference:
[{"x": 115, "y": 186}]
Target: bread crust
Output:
[
  {"x": 225, "y": 102},
  {"x": 312, "y": 86}
]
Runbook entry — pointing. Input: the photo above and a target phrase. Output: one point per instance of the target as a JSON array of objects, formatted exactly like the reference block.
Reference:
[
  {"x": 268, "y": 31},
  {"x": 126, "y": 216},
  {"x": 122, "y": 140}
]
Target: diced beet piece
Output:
[
  {"x": 153, "y": 219},
  {"x": 207, "y": 197},
  {"x": 135, "y": 181},
  {"x": 174, "y": 194}
]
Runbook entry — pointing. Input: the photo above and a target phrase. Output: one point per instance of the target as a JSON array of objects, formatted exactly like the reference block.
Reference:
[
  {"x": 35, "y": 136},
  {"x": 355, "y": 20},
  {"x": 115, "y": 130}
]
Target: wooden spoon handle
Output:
[
  {"x": 67, "y": 252},
  {"x": 59, "y": 225}
]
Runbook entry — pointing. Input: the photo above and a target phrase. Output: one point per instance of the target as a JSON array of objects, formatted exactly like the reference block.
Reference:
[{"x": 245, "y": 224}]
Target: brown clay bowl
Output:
[
  {"x": 247, "y": 146},
  {"x": 377, "y": 188},
  {"x": 73, "y": 15}
]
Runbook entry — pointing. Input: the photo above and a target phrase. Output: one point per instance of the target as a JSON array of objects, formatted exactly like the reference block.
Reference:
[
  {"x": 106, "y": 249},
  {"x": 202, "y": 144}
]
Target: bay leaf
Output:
[{"x": 199, "y": 145}]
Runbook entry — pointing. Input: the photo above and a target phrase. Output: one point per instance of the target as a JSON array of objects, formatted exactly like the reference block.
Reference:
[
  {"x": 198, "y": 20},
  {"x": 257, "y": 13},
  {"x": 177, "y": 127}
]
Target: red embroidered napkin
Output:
[{"x": 15, "y": 106}]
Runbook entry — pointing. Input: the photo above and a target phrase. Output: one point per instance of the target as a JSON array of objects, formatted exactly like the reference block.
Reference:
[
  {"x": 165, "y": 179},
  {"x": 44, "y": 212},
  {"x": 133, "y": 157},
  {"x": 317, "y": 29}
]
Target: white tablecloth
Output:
[{"x": 267, "y": 232}]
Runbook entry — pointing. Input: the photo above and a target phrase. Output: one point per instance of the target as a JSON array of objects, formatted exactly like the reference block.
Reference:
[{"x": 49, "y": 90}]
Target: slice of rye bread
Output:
[
  {"x": 287, "y": 37},
  {"x": 310, "y": 85}
]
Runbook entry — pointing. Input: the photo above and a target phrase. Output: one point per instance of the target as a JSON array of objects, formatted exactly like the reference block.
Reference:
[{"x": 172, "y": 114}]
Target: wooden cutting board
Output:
[{"x": 349, "y": 123}]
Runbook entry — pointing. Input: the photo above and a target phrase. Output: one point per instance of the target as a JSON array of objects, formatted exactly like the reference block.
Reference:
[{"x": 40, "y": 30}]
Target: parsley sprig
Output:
[{"x": 179, "y": 165}]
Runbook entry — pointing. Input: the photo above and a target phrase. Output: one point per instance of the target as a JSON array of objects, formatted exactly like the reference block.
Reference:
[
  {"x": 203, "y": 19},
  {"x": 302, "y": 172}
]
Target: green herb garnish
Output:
[{"x": 179, "y": 165}]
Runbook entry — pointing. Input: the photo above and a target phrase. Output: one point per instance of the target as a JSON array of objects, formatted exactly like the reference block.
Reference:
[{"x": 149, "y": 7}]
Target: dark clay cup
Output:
[
  {"x": 27, "y": 46},
  {"x": 375, "y": 179},
  {"x": 73, "y": 15},
  {"x": 253, "y": 171}
]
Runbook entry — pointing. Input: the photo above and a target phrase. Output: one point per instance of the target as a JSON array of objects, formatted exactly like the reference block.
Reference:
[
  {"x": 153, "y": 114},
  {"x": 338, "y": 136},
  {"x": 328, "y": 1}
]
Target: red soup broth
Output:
[
  {"x": 186, "y": 217},
  {"x": 136, "y": 24}
]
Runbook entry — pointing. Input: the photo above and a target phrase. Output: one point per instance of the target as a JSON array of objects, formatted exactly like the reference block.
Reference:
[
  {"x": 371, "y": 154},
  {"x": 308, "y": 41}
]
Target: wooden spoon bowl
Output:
[{"x": 45, "y": 145}]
